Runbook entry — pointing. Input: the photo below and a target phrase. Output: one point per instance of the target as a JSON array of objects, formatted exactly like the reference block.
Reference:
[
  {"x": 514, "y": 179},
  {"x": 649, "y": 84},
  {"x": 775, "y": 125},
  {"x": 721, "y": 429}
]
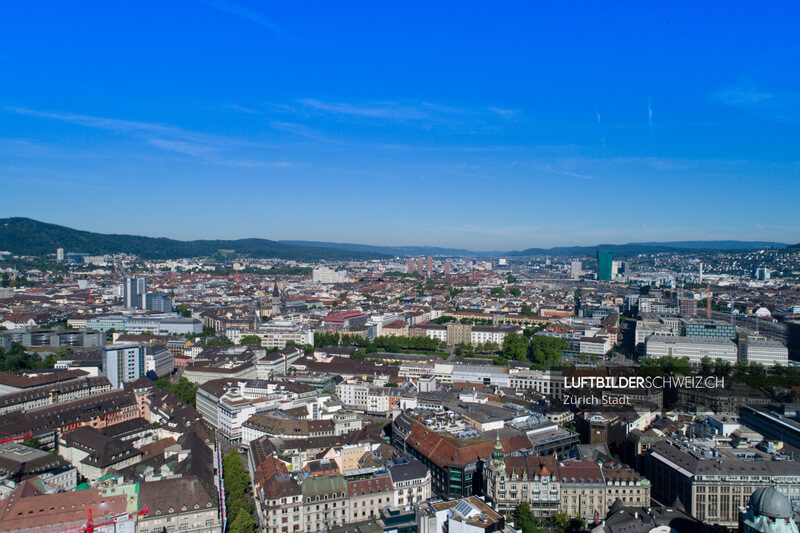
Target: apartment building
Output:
[
  {"x": 367, "y": 496},
  {"x": 325, "y": 502}
]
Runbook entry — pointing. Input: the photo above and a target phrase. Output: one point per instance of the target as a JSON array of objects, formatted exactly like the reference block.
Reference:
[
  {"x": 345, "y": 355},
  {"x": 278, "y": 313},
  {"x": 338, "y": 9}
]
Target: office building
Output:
[
  {"x": 762, "y": 274},
  {"x": 157, "y": 301},
  {"x": 53, "y": 338},
  {"x": 764, "y": 352},
  {"x": 133, "y": 293},
  {"x": 715, "y": 483},
  {"x": 123, "y": 363},
  {"x": 693, "y": 348},
  {"x": 604, "y": 260},
  {"x": 59, "y": 254},
  {"x": 708, "y": 329},
  {"x": 159, "y": 360}
]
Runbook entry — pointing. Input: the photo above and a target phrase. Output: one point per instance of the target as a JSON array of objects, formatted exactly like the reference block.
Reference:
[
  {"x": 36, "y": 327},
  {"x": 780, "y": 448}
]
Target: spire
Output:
[{"x": 497, "y": 456}]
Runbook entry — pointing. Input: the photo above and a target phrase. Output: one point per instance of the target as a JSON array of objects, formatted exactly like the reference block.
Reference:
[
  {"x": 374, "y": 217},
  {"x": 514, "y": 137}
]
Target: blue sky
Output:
[{"x": 480, "y": 125}]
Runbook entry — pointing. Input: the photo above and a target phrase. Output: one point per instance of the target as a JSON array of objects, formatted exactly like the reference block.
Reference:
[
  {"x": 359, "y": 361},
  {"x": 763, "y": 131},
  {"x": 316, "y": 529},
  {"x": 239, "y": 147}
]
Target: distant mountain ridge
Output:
[
  {"x": 400, "y": 251},
  {"x": 634, "y": 248},
  {"x": 25, "y": 236},
  {"x": 627, "y": 249}
]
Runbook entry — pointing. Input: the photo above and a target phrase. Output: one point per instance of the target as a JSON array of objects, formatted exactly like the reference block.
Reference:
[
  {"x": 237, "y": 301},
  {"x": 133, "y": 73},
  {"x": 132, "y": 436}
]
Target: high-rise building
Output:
[
  {"x": 447, "y": 268},
  {"x": 604, "y": 260},
  {"x": 421, "y": 265},
  {"x": 157, "y": 301},
  {"x": 687, "y": 306},
  {"x": 793, "y": 339},
  {"x": 134, "y": 290},
  {"x": 616, "y": 268},
  {"x": 575, "y": 269},
  {"x": 123, "y": 363},
  {"x": 59, "y": 254},
  {"x": 410, "y": 266},
  {"x": 429, "y": 266}
]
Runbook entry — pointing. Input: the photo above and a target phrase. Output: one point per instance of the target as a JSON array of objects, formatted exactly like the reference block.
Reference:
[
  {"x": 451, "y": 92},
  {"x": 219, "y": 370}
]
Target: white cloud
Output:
[{"x": 246, "y": 13}]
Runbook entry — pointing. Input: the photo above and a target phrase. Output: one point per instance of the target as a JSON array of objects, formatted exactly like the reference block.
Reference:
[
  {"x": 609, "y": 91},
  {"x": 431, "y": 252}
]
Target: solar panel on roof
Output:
[{"x": 463, "y": 508}]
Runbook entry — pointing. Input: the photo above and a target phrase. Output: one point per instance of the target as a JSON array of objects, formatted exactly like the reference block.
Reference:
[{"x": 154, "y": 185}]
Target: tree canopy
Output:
[
  {"x": 236, "y": 492},
  {"x": 546, "y": 350},
  {"x": 183, "y": 389},
  {"x": 515, "y": 346}
]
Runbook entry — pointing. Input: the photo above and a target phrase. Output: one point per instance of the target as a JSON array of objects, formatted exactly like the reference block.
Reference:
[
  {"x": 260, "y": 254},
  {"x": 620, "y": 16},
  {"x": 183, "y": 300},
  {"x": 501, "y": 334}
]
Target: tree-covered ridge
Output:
[{"x": 24, "y": 236}]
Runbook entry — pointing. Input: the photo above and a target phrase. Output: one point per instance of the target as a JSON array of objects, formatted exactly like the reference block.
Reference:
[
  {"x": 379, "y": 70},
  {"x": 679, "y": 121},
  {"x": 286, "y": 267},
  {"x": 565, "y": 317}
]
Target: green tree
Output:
[
  {"x": 497, "y": 291},
  {"x": 511, "y": 279},
  {"x": 526, "y": 310},
  {"x": 183, "y": 389},
  {"x": 515, "y": 346},
  {"x": 219, "y": 341},
  {"x": 706, "y": 366},
  {"x": 236, "y": 486},
  {"x": 515, "y": 292},
  {"x": 546, "y": 350},
  {"x": 250, "y": 339},
  {"x": 756, "y": 369},
  {"x": 722, "y": 368},
  {"x": 525, "y": 520},
  {"x": 184, "y": 311},
  {"x": 63, "y": 352},
  {"x": 32, "y": 442},
  {"x": 665, "y": 365},
  {"x": 244, "y": 523},
  {"x": 741, "y": 367}
]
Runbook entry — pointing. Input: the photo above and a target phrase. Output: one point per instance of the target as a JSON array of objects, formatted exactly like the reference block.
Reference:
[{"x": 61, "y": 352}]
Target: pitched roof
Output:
[{"x": 26, "y": 510}]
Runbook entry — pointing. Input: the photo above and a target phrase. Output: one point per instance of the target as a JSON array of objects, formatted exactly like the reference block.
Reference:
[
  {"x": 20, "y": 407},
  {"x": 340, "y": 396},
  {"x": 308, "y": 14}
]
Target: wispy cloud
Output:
[
  {"x": 783, "y": 106},
  {"x": 213, "y": 149},
  {"x": 246, "y": 13},
  {"x": 505, "y": 113},
  {"x": 742, "y": 94},
  {"x": 240, "y": 109},
  {"x": 380, "y": 110},
  {"x": 301, "y": 130}
]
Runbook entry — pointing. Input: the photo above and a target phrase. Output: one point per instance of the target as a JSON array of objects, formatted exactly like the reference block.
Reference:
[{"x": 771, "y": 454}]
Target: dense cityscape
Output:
[
  {"x": 583, "y": 392},
  {"x": 407, "y": 267}
]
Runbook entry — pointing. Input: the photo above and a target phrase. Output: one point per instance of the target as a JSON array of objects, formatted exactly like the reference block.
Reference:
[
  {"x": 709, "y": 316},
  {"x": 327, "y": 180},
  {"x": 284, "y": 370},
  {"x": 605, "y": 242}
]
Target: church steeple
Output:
[{"x": 498, "y": 461}]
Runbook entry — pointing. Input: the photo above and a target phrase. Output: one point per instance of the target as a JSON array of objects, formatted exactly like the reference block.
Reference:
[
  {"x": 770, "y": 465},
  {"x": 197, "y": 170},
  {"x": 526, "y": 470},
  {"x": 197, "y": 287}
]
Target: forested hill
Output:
[{"x": 24, "y": 236}]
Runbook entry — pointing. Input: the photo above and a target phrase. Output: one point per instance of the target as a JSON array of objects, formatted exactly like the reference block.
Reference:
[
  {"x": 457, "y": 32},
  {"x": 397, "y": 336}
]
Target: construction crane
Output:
[{"x": 12, "y": 438}]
